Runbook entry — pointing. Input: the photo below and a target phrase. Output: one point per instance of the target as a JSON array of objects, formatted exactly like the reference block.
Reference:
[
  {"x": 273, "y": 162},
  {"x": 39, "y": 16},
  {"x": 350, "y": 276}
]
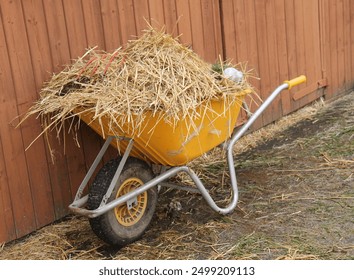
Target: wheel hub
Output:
[{"x": 130, "y": 213}]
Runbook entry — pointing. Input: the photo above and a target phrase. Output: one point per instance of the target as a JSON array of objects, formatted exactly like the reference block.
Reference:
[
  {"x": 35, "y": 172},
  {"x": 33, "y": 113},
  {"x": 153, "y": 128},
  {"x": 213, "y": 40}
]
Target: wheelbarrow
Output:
[{"x": 122, "y": 199}]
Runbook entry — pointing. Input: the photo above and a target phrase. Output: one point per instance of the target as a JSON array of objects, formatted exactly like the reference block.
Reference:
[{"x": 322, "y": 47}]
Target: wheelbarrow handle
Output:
[
  {"x": 265, "y": 104},
  {"x": 296, "y": 81}
]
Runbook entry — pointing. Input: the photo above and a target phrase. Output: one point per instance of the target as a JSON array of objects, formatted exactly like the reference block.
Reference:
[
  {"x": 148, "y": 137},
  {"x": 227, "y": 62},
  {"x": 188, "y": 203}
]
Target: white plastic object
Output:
[{"x": 233, "y": 74}]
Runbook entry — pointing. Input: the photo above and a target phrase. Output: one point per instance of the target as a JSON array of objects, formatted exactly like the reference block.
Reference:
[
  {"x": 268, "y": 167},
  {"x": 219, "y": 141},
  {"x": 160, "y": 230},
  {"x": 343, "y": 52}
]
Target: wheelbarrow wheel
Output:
[{"x": 122, "y": 225}]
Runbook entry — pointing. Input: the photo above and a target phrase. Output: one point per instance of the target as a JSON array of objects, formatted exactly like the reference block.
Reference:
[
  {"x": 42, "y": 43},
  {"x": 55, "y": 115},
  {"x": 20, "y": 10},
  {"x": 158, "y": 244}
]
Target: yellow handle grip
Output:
[{"x": 296, "y": 81}]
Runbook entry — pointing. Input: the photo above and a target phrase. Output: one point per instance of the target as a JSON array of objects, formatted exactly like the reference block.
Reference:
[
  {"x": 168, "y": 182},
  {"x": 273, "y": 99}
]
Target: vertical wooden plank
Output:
[
  {"x": 60, "y": 178},
  {"x": 252, "y": 47},
  {"x": 18, "y": 178},
  {"x": 316, "y": 51},
  {"x": 157, "y": 13},
  {"x": 60, "y": 55},
  {"x": 310, "y": 61},
  {"x": 217, "y": 27},
  {"x": 74, "y": 20},
  {"x": 142, "y": 15},
  {"x": 352, "y": 42},
  {"x": 252, "y": 54},
  {"x": 93, "y": 24},
  {"x": 127, "y": 20},
  {"x": 272, "y": 45},
  {"x": 91, "y": 142},
  {"x": 240, "y": 39},
  {"x": 76, "y": 32},
  {"x": 209, "y": 32},
  {"x": 261, "y": 23},
  {"x": 300, "y": 45},
  {"x": 312, "y": 47},
  {"x": 76, "y": 162},
  {"x": 229, "y": 30},
  {"x": 315, "y": 22},
  {"x": 7, "y": 228},
  {"x": 347, "y": 46},
  {"x": 340, "y": 45},
  {"x": 20, "y": 57},
  {"x": 170, "y": 13},
  {"x": 290, "y": 38},
  {"x": 274, "y": 111},
  {"x": 280, "y": 27},
  {"x": 36, "y": 157},
  {"x": 38, "y": 40},
  {"x": 240, "y": 31},
  {"x": 57, "y": 34},
  {"x": 184, "y": 23},
  {"x": 111, "y": 24},
  {"x": 332, "y": 6},
  {"x": 12, "y": 144},
  {"x": 197, "y": 27},
  {"x": 324, "y": 42}
]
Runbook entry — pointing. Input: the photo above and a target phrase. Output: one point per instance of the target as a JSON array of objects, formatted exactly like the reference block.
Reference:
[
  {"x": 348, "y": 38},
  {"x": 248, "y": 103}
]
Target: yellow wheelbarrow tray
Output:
[
  {"x": 164, "y": 143},
  {"x": 121, "y": 201}
]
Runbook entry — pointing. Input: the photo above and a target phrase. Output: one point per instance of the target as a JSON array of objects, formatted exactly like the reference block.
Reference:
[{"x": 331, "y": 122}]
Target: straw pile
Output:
[{"x": 152, "y": 73}]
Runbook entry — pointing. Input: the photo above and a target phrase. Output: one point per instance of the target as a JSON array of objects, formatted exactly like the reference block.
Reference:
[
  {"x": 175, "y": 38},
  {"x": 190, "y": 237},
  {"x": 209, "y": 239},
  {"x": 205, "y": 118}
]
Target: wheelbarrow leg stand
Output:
[
  {"x": 79, "y": 200},
  {"x": 117, "y": 173}
]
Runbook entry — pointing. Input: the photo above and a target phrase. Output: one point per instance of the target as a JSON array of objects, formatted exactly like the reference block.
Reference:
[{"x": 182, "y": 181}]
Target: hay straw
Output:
[{"x": 152, "y": 73}]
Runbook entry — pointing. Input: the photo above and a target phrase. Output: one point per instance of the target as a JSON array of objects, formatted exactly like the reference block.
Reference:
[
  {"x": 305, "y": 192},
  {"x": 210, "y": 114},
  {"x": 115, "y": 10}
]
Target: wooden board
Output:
[
  {"x": 142, "y": 15},
  {"x": 7, "y": 229},
  {"x": 37, "y": 157},
  {"x": 184, "y": 21},
  {"x": 111, "y": 24},
  {"x": 170, "y": 17},
  {"x": 18, "y": 181},
  {"x": 127, "y": 20},
  {"x": 157, "y": 16},
  {"x": 60, "y": 55},
  {"x": 280, "y": 27},
  {"x": 93, "y": 24}
]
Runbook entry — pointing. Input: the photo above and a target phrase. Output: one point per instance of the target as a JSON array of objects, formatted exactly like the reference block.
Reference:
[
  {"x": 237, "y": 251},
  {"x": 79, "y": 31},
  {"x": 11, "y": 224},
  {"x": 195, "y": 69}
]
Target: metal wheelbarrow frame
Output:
[{"x": 130, "y": 198}]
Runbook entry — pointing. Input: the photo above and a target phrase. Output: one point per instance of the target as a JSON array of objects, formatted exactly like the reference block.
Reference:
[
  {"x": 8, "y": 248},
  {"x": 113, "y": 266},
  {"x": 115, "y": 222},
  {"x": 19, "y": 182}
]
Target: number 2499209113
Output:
[{"x": 220, "y": 270}]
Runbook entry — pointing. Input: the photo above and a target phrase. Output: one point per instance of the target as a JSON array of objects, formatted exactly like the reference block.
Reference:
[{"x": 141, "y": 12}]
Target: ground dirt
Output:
[{"x": 296, "y": 202}]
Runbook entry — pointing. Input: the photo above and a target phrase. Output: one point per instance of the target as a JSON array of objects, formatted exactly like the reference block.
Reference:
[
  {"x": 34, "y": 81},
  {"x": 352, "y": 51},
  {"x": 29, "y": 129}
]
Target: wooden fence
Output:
[{"x": 278, "y": 38}]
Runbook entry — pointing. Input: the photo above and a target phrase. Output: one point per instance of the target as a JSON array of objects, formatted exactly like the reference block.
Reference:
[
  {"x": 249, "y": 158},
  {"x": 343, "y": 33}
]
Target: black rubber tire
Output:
[{"x": 106, "y": 226}]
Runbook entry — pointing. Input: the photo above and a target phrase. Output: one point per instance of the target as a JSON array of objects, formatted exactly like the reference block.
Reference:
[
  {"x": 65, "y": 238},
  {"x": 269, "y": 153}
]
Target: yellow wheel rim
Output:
[{"x": 124, "y": 215}]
